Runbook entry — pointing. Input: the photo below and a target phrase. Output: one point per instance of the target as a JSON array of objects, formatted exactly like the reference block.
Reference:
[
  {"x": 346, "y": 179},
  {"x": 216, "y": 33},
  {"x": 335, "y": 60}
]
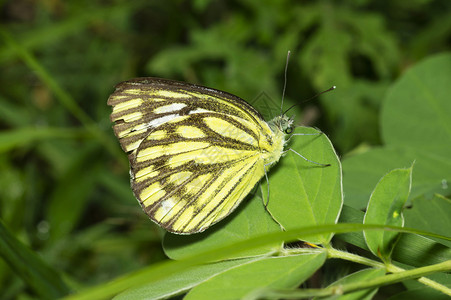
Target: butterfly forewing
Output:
[{"x": 194, "y": 152}]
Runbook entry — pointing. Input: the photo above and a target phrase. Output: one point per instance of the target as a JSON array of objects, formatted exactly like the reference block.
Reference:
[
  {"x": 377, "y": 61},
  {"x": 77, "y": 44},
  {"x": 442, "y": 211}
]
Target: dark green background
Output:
[{"x": 64, "y": 187}]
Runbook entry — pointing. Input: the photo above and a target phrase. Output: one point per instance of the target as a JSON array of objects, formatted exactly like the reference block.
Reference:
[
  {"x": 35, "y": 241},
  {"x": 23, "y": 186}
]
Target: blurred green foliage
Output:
[{"x": 64, "y": 180}]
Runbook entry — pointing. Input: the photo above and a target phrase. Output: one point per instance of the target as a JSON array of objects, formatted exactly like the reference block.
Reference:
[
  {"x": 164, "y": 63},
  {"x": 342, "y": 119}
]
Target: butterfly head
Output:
[{"x": 282, "y": 123}]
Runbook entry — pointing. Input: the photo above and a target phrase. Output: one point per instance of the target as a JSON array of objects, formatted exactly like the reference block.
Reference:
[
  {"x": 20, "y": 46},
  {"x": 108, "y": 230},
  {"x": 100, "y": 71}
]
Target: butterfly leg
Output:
[
  {"x": 267, "y": 184},
  {"x": 305, "y": 158}
]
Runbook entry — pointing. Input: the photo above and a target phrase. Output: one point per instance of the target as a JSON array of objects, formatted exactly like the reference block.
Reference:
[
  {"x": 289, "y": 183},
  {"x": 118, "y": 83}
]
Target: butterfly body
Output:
[{"x": 194, "y": 152}]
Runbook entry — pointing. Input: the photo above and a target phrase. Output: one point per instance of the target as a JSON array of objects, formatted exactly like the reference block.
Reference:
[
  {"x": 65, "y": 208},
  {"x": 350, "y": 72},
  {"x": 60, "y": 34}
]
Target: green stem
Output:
[
  {"x": 334, "y": 253},
  {"x": 426, "y": 281},
  {"x": 355, "y": 286}
]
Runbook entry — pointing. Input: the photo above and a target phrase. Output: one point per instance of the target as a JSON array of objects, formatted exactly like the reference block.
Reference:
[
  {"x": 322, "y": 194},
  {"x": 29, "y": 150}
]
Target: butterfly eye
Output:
[{"x": 289, "y": 130}]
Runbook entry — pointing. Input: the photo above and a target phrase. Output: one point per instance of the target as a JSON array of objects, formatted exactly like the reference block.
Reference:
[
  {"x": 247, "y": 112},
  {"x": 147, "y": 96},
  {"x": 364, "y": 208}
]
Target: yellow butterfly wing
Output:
[{"x": 194, "y": 152}]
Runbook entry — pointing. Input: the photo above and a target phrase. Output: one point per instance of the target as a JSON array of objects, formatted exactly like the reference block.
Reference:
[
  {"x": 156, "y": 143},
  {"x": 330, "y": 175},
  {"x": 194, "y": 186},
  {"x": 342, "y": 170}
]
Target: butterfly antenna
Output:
[
  {"x": 328, "y": 90},
  {"x": 285, "y": 80}
]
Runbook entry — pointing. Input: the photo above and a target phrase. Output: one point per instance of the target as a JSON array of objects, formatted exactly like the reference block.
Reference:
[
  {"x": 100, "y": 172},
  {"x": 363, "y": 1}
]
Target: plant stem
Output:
[
  {"x": 426, "y": 281},
  {"x": 334, "y": 253},
  {"x": 355, "y": 286}
]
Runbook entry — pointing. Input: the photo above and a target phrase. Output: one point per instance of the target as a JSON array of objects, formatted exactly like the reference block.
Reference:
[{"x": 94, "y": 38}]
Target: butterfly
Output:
[{"x": 195, "y": 152}]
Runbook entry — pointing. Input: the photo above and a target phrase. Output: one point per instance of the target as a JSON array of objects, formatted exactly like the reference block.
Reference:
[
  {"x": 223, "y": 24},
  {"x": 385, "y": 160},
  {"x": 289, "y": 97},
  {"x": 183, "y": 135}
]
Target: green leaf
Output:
[
  {"x": 161, "y": 270},
  {"x": 422, "y": 93},
  {"x": 385, "y": 207},
  {"x": 303, "y": 193},
  {"x": 432, "y": 215},
  {"x": 249, "y": 220},
  {"x": 43, "y": 280},
  {"x": 363, "y": 171},
  {"x": 273, "y": 272},
  {"x": 181, "y": 281},
  {"x": 416, "y": 127},
  {"x": 358, "y": 276}
]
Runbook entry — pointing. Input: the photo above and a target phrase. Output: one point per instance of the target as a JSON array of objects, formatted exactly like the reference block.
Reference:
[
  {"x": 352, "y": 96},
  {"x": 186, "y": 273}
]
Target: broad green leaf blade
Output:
[
  {"x": 417, "y": 110},
  {"x": 358, "y": 276},
  {"x": 249, "y": 220},
  {"x": 354, "y": 216},
  {"x": 273, "y": 272},
  {"x": 385, "y": 208},
  {"x": 432, "y": 215},
  {"x": 363, "y": 171},
  {"x": 303, "y": 193},
  {"x": 415, "y": 126},
  {"x": 419, "y": 251},
  {"x": 181, "y": 281},
  {"x": 40, "y": 277}
]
